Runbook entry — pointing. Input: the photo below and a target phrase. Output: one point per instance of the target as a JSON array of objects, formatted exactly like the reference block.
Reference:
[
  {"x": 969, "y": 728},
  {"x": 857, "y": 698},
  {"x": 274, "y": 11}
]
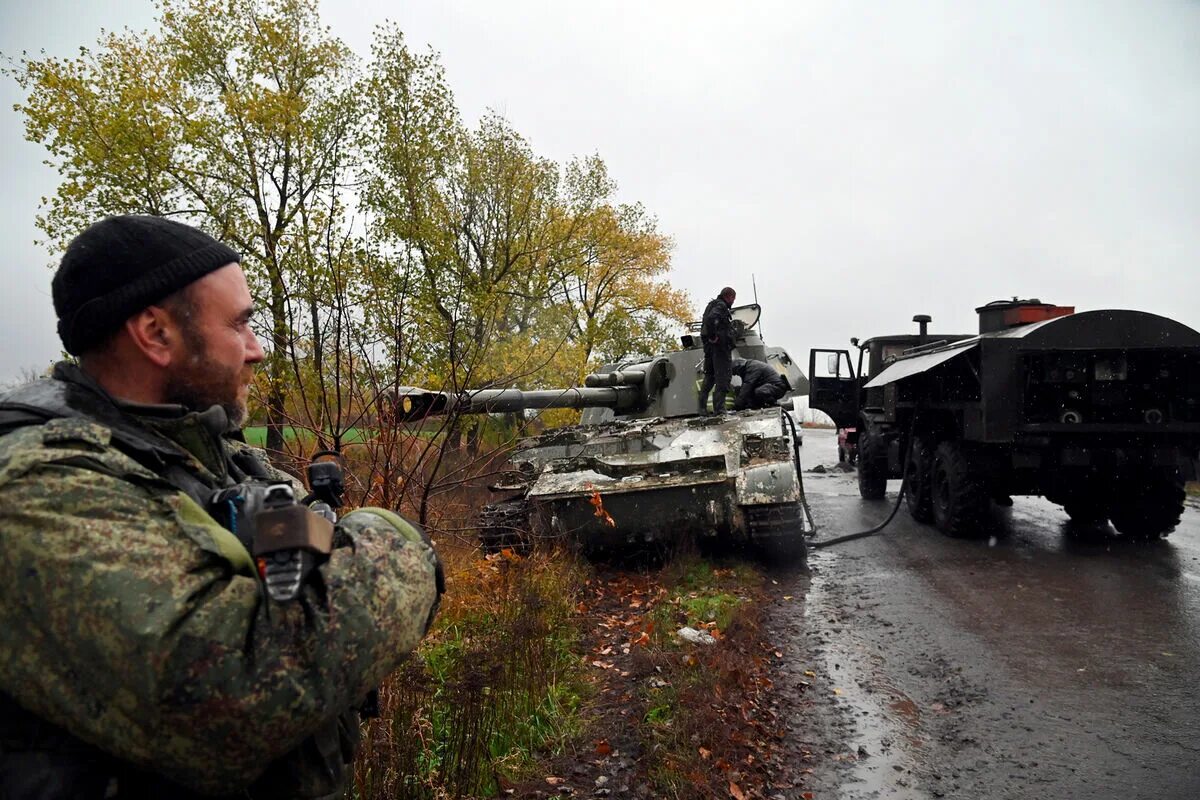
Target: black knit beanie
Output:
[{"x": 120, "y": 265}]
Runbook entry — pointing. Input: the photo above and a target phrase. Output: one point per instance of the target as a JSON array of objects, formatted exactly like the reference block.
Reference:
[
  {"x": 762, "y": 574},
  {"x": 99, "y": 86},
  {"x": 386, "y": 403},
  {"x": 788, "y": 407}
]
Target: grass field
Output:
[{"x": 257, "y": 435}]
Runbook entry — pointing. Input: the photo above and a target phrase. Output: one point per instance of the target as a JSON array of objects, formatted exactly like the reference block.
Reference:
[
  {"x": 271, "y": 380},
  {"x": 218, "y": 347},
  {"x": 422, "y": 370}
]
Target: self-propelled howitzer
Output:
[{"x": 645, "y": 467}]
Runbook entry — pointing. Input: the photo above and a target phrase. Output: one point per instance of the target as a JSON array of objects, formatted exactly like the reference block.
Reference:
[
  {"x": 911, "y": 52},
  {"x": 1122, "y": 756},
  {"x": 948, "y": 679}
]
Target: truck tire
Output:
[
  {"x": 1087, "y": 511},
  {"x": 958, "y": 495},
  {"x": 872, "y": 464},
  {"x": 918, "y": 495},
  {"x": 1149, "y": 506},
  {"x": 1089, "y": 518}
]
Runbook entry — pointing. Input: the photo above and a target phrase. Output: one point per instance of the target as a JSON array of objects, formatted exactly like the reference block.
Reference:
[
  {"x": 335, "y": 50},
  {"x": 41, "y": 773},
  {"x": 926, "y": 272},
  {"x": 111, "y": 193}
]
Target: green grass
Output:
[
  {"x": 701, "y": 595},
  {"x": 717, "y": 608},
  {"x": 697, "y": 599},
  {"x": 256, "y": 435},
  {"x": 678, "y": 717},
  {"x": 504, "y": 686}
]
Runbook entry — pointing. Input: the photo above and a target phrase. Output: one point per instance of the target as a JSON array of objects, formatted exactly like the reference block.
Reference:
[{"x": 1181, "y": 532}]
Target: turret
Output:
[{"x": 666, "y": 385}]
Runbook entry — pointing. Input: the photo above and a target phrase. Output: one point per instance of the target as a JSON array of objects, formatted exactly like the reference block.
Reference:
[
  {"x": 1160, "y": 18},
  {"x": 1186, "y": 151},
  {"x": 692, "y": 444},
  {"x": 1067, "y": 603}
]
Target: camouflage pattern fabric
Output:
[{"x": 131, "y": 619}]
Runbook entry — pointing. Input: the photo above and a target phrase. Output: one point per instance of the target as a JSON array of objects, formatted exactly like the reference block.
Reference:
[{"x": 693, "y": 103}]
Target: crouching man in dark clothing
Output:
[{"x": 762, "y": 385}]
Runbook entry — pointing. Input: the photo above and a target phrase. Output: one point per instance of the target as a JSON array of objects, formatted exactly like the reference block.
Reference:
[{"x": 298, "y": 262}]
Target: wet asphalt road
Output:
[{"x": 1025, "y": 666}]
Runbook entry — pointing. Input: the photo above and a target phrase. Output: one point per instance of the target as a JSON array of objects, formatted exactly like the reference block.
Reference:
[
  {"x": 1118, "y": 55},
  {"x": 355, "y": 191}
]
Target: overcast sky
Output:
[{"x": 865, "y": 161}]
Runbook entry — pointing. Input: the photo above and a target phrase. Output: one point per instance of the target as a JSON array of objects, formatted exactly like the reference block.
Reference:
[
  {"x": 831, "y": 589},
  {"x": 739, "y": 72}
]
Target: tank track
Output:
[
  {"x": 778, "y": 530},
  {"x": 504, "y": 524}
]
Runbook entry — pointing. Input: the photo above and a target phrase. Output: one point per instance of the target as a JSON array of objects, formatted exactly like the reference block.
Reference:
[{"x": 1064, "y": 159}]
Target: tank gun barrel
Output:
[{"x": 413, "y": 403}]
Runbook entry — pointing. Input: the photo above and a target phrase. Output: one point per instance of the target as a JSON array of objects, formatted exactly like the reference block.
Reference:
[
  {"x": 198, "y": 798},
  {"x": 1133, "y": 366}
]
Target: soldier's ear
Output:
[{"x": 155, "y": 334}]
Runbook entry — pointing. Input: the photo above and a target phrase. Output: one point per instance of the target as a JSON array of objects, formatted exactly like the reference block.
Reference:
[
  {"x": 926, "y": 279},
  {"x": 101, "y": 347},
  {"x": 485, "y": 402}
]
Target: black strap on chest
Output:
[{"x": 42, "y": 401}]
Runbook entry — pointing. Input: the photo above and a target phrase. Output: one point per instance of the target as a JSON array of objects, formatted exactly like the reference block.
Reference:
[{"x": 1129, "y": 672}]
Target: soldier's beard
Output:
[{"x": 201, "y": 382}]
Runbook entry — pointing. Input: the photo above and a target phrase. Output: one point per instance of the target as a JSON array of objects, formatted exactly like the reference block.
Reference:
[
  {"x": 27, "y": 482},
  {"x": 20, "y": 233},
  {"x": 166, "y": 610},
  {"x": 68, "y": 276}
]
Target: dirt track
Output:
[{"x": 1024, "y": 666}]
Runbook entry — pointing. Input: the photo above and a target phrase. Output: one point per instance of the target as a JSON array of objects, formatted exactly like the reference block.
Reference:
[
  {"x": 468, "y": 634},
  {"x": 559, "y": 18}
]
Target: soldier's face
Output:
[{"x": 218, "y": 348}]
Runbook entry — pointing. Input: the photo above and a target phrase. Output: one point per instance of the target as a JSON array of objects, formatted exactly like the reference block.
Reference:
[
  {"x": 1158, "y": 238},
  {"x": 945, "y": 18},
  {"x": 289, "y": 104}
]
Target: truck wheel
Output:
[
  {"x": 918, "y": 495},
  {"x": 1148, "y": 507},
  {"x": 1089, "y": 511},
  {"x": 957, "y": 492},
  {"x": 872, "y": 465},
  {"x": 1089, "y": 515}
]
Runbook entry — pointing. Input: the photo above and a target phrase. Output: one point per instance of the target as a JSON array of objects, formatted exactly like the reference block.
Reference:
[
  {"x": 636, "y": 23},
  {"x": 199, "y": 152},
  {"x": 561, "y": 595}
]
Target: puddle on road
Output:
[{"x": 883, "y": 751}]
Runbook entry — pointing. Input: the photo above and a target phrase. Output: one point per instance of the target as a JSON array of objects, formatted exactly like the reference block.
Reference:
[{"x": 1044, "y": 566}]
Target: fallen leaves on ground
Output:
[{"x": 720, "y": 694}]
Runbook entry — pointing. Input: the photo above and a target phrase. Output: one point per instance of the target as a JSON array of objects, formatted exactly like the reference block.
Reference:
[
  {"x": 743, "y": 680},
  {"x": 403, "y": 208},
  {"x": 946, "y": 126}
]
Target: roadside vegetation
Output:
[
  {"x": 702, "y": 729},
  {"x": 496, "y": 685},
  {"x": 546, "y": 675}
]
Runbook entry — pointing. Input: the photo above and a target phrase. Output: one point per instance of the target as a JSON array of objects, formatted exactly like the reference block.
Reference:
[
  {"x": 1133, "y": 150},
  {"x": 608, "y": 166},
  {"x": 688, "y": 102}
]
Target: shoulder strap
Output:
[{"x": 42, "y": 401}]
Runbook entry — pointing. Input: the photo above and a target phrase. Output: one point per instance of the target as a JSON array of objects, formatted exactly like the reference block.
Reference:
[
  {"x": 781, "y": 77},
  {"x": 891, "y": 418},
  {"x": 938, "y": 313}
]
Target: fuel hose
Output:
[{"x": 850, "y": 537}]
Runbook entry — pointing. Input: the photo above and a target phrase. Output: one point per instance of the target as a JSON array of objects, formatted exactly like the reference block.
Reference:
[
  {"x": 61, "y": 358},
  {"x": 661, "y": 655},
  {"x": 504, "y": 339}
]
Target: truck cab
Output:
[{"x": 837, "y": 379}]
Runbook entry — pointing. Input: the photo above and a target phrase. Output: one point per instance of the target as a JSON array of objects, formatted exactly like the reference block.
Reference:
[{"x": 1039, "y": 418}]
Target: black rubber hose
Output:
[
  {"x": 799, "y": 471},
  {"x": 850, "y": 537}
]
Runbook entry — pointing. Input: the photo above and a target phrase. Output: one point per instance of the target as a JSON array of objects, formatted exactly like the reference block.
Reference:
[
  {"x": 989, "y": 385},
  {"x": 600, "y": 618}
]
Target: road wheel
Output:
[
  {"x": 1148, "y": 506},
  {"x": 957, "y": 492},
  {"x": 872, "y": 464},
  {"x": 918, "y": 495}
]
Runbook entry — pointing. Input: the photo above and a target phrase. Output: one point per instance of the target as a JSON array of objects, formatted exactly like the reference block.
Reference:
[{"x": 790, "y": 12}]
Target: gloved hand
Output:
[{"x": 411, "y": 532}]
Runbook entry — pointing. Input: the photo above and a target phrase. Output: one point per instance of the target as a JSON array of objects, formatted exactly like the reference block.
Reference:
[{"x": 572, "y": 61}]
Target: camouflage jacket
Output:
[{"x": 131, "y": 619}]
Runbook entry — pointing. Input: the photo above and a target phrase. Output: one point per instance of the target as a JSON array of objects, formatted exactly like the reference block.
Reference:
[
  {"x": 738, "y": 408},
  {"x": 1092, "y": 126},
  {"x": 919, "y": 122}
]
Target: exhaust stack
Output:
[{"x": 923, "y": 320}]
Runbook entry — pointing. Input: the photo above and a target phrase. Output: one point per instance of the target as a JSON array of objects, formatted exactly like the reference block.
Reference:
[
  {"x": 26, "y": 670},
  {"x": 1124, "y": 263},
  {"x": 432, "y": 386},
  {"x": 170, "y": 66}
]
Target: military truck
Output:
[
  {"x": 646, "y": 467},
  {"x": 1097, "y": 411}
]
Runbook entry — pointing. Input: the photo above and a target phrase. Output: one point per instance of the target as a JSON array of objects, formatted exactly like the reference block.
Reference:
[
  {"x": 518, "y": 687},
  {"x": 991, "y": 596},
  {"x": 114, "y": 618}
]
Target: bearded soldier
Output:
[{"x": 141, "y": 654}]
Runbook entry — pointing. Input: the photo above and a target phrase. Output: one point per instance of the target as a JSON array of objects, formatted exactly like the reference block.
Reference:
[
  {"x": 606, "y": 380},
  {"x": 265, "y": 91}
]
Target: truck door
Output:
[{"x": 833, "y": 387}]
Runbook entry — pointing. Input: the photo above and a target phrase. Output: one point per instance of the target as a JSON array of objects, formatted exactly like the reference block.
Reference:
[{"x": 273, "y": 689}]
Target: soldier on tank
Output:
[
  {"x": 762, "y": 385},
  {"x": 716, "y": 333},
  {"x": 139, "y": 653}
]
